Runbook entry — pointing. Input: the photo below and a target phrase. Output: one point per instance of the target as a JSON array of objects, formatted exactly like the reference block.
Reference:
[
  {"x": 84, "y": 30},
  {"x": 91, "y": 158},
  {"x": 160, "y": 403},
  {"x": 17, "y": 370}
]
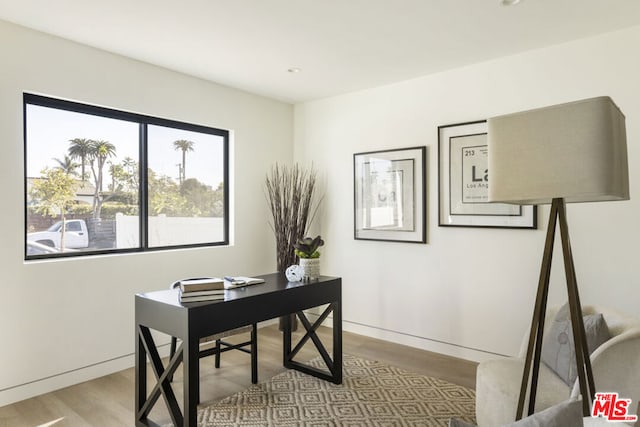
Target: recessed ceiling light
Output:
[
  {"x": 510, "y": 2},
  {"x": 294, "y": 70}
]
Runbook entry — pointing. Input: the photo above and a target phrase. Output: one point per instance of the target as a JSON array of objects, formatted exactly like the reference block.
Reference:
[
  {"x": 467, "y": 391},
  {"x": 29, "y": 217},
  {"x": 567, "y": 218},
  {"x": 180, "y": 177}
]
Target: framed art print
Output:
[
  {"x": 389, "y": 195},
  {"x": 464, "y": 180}
]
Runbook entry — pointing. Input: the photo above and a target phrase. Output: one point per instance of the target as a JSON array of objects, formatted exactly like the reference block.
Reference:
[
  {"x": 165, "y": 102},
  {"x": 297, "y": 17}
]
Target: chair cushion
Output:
[
  {"x": 498, "y": 388},
  {"x": 226, "y": 334},
  {"x": 558, "y": 351}
]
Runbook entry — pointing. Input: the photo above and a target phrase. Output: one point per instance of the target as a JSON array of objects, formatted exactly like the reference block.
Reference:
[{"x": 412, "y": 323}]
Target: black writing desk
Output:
[{"x": 162, "y": 311}]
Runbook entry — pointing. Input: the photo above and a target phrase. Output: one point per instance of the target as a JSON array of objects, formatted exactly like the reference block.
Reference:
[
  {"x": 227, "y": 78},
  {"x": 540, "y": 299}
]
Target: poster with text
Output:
[
  {"x": 464, "y": 180},
  {"x": 469, "y": 179}
]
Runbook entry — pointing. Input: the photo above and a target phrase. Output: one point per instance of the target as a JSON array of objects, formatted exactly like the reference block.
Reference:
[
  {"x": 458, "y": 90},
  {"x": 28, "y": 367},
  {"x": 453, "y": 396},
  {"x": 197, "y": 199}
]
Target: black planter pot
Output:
[{"x": 294, "y": 323}]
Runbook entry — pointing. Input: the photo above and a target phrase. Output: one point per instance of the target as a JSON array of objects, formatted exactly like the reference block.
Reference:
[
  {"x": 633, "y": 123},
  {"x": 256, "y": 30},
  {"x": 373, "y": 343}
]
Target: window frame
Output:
[{"x": 143, "y": 122}]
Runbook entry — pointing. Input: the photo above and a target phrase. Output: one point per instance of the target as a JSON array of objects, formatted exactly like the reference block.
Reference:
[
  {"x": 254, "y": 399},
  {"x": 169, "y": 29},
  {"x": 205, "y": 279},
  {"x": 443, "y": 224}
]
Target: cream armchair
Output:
[{"x": 615, "y": 364}]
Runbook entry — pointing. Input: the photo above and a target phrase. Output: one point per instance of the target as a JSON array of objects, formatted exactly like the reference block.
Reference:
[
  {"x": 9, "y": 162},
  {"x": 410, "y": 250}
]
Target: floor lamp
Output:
[{"x": 574, "y": 152}]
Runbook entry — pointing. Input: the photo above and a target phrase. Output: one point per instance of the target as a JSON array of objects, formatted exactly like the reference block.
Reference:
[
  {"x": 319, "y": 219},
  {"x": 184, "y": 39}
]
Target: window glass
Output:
[
  {"x": 73, "y": 226},
  {"x": 186, "y": 187},
  {"x": 83, "y": 168}
]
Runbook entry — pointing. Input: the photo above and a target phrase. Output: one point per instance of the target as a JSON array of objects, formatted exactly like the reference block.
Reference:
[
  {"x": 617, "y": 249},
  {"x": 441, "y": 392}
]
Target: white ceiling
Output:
[{"x": 339, "y": 45}]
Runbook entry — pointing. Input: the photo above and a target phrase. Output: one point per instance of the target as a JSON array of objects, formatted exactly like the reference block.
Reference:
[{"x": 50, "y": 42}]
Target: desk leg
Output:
[
  {"x": 337, "y": 342},
  {"x": 286, "y": 341},
  {"x": 141, "y": 374},
  {"x": 144, "y": 403},
  {"x": 190, "y": 362}
]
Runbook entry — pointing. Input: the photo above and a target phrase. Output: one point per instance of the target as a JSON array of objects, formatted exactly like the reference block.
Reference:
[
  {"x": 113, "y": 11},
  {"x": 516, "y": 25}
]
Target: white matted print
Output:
[{"x": 389, "y": 195}]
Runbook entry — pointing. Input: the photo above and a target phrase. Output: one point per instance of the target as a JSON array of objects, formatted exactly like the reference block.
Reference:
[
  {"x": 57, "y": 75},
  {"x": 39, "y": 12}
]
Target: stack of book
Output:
[{"x": 208, "y": 289}]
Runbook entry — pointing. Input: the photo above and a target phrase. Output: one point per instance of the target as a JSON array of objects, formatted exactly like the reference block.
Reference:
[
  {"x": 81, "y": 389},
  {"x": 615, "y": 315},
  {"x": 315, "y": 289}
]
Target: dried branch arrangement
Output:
[{"x": 290, "y": 194}]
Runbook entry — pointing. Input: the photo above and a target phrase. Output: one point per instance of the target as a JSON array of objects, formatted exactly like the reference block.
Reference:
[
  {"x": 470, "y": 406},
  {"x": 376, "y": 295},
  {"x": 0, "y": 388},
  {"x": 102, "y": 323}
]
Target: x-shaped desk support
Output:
[
  {"x": 333, "y": 365},
  {"x": 163, "y": 376}
]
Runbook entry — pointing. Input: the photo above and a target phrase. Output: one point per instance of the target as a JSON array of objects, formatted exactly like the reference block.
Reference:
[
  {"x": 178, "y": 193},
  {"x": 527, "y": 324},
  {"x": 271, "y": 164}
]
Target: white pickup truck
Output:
[{"x": 76, "y": 235}]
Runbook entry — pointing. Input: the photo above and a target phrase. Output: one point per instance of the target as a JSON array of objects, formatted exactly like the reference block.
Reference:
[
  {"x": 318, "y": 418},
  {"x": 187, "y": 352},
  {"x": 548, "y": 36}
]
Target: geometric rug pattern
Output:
[{"x": 372, "y": 394}]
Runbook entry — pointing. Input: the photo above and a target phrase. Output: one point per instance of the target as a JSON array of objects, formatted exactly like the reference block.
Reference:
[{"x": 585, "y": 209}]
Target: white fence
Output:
[{"x": 167, "y": 231}]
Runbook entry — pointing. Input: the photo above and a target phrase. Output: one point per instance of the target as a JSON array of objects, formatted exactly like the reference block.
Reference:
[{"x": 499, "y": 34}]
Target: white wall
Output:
[
  {"x": 66, "y": 321},
  {"x": 469, "y": 292}
]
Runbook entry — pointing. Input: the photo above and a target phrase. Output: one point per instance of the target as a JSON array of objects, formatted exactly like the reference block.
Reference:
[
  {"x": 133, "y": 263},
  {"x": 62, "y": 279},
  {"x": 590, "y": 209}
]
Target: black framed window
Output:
[{"x": 119, "y": 181}]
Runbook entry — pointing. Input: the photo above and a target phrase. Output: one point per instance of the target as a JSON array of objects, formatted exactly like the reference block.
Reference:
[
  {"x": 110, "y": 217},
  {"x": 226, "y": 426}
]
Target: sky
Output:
[{"x": 49, "y": 132}]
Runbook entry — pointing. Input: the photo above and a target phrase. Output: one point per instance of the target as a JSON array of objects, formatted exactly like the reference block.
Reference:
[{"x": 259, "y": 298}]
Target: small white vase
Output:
[{"x": 311, "y": 268}]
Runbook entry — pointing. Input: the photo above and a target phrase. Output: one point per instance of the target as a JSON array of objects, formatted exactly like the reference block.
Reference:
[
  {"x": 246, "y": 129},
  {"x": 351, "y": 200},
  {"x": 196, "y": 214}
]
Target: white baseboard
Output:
[
  {"x": 65, "y": 379},
  {"x": 76, "y": 376},
  {"x": 54, "y": 382},
  {"x": 422, "y": 343}
]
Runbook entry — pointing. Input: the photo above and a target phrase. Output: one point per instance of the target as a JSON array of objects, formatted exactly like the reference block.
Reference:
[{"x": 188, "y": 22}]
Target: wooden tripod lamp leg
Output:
[
  {"x": 537, "y": 323},
  {"x": 532, "y": 359},
  {"x": 583, "y": 361}
]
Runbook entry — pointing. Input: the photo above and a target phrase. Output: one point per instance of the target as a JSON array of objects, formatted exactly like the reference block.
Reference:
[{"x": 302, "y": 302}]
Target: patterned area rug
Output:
[{"x": 372, "y": 394}]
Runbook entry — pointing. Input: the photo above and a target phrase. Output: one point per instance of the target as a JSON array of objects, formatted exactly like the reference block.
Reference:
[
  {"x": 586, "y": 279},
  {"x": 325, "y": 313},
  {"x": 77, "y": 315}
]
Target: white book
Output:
[
  {"x": 202, "y": 298},
  {"x": 201, "y": 293},
  {"x": 201, "y": 284},
  {"x": 240, "y": 281}
]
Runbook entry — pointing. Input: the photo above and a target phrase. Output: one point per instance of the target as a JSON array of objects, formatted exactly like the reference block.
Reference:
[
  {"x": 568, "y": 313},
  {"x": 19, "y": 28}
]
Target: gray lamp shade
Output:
[{"x": 577, "y": 151}]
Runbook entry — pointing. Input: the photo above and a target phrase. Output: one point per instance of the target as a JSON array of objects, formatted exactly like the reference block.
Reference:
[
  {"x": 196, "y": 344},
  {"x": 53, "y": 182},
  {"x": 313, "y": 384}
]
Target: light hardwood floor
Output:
[{"x": 108, "y": 401}]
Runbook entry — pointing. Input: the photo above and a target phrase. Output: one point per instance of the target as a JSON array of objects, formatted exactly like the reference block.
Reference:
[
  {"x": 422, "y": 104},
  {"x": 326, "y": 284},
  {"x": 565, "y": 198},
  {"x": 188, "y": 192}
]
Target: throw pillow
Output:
[
  {"x": 558, "y": 351},
  {"x": 564, "y": 414}
]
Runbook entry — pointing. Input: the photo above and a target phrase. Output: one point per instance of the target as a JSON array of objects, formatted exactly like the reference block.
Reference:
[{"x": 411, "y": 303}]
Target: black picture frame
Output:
[
  {"x": 390, "y": 202},
  {"x": 463, "y": 180}
]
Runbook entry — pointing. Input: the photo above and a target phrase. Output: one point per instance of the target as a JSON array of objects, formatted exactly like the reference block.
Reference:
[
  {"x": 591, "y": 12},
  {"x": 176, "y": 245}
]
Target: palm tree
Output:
[
  {"x": 184, "y": 145},
  {"x": 99, "y": 152},
  {"x": 116, "y": 171},
  {"x": 80, "y": 148},
  {"x": 67, "y": 165}
]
